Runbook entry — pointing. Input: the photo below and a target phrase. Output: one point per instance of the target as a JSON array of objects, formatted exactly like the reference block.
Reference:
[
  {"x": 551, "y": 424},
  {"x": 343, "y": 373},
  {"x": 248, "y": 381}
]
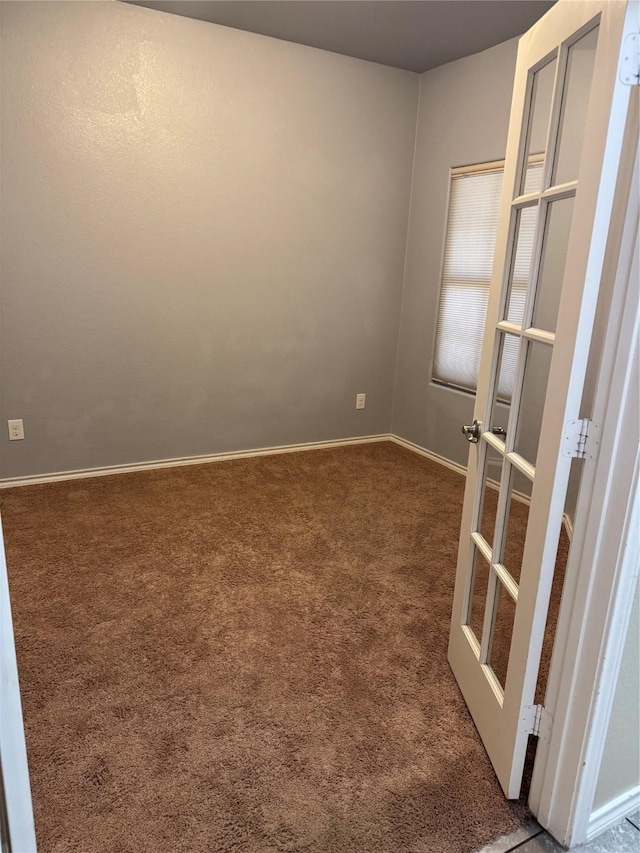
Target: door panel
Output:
[
  {"x": 540, "y": 96},
  {"x": 566, "y": 129},
  {"x": 489, "y": 496},
  {"x": 537, "y": 365},
  {"x": 501, "y": 634},
  {"x": 515, "y": 530},
  {"x": 478, "y": 596},
  {"x": 580, "y": 60},
  {"x": 559, "y": 216}
]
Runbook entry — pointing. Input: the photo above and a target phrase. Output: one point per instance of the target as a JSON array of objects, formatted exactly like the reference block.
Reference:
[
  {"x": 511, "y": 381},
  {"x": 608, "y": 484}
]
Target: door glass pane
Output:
[
  {"x": 489, "y": 498},
  {"x": 540, "y": 110},
  {"x": 533, "y": 178},
  {"x": 478, "y": 597},
  {"x": 516, "y": 524},
  {"x": 503, "y": 619},
  {"x": 575, "y": 101},
  {"x": 526, "y": 219},
  {"x": 500, "y": 418},
  {"x": 507, "y": 361},
  {"x": 552, "y": 614},
  {"x": 534, "y": 389},
  {"x": 554, "y": 256}
]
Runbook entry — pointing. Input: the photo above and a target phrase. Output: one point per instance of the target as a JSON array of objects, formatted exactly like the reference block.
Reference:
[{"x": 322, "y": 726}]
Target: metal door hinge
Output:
[
  {"x": 537, "y": 721},
  {"x": 580, "y": 439},
  {"x": 630, "y": 60}
]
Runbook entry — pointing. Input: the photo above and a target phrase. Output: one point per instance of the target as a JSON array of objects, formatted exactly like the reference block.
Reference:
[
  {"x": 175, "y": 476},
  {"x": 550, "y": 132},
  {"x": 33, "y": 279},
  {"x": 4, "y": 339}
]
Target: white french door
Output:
[{"x": 568, "y": 111}]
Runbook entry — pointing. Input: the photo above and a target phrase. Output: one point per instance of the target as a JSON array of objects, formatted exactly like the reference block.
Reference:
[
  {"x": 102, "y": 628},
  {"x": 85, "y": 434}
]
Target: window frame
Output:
[{"x": 473, "y": 168}]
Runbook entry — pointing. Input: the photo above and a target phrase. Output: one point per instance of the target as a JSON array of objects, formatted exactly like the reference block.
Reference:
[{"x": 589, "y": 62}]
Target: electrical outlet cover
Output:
[{"x": 16, "y": 429}]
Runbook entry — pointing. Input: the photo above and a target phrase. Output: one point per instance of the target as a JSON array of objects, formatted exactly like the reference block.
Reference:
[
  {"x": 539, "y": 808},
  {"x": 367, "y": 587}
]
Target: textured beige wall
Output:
[
  {"x": 620, "y": 768},
  {"x": 463, "y": 119},
  {"x": 203, "y": 237}
]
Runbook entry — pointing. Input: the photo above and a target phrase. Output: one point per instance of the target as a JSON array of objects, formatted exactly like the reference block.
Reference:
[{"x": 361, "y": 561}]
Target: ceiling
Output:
[{"x": 412, "y": 34}]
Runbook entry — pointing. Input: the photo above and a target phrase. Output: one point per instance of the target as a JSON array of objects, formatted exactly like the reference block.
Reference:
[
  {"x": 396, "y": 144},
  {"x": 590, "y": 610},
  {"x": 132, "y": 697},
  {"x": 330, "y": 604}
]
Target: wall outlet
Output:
[
  {"x": 16, "y": 429},
  {"x": 360, "y": 401}
]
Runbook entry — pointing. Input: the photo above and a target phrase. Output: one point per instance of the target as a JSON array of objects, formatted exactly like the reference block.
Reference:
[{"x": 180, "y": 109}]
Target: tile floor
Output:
[{"x": 531, "y": 838}]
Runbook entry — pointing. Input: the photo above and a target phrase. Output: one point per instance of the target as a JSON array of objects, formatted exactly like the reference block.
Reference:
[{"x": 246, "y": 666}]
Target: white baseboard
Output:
[
  {"x": 453, "y": 466},
  {"x": 152, "y": 465},
  {"x": 613, "y": 812},
  {"x": 421, "y": 451},
  {"x": 461, "y": 469},
  {"x": 61, "y": 476}
]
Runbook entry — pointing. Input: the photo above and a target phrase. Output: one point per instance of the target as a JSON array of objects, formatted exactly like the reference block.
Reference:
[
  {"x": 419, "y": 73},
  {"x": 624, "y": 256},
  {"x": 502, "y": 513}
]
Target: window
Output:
[{"x": 472, "y": 225}]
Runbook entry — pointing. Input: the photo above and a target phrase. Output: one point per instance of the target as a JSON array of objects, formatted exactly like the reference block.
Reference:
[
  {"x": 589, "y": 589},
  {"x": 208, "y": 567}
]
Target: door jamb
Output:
[
  {"x": 15, "y": 800},
  {"x": 605, "y": 553}
]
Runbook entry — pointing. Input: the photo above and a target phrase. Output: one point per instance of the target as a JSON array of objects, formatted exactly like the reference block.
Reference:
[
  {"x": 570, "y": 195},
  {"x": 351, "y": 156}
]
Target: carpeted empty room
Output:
[
  {"x": 244, "y": 283},
  {"x": 248, "y": 656}
]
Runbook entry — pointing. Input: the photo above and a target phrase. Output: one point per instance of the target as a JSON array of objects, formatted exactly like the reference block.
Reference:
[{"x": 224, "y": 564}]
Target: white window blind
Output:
[{"x": 472, "y": 226}]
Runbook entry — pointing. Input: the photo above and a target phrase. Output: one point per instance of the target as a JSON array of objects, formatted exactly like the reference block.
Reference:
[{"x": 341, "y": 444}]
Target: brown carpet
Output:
[{"x": 248, "y": 657}]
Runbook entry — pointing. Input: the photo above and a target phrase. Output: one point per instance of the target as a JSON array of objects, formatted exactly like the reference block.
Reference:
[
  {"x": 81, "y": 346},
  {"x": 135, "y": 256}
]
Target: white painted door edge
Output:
[
  {"x": 13, "y": 751},
  {"x": 603, "y": 562}
]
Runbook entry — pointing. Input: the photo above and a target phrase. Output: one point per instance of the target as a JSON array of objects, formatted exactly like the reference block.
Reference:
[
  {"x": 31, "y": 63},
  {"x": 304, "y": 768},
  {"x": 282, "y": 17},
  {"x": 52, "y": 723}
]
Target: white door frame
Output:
[
  {"x": 16, "y": 796},
  {"x": 605, "y": 552}
]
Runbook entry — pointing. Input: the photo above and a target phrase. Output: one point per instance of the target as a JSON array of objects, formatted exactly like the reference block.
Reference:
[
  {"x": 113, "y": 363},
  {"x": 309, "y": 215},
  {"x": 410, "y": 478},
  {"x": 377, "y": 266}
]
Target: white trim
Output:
[
  {"x": 13, "y": 752},
  {"x": 603, "y": 563},
  {"x": 422, "y": 451},
  {"x": 494, "y": 166},
  {"x": 60, "y": 476},
  {"x": 461, "y": 469},
  {"x": 613, "y": 812}
]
